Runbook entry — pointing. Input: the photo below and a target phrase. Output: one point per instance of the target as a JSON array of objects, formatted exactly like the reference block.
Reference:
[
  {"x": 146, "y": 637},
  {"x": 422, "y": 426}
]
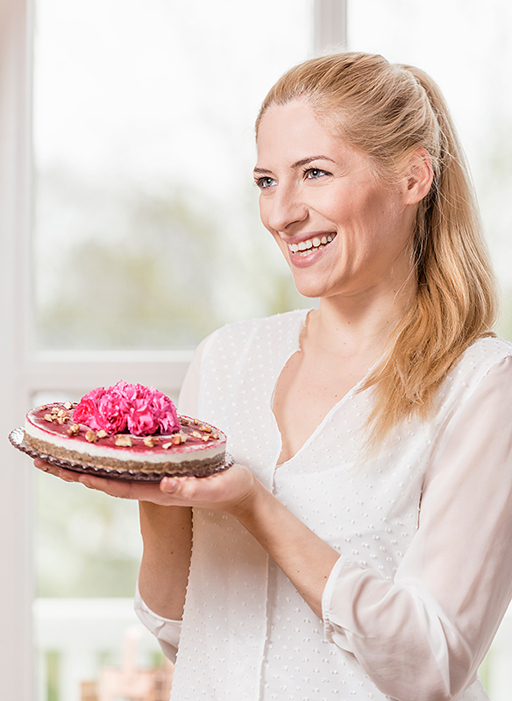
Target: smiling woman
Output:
[
  {"x": 395, "y": 142},
  {"x": 359, "y": 546}
]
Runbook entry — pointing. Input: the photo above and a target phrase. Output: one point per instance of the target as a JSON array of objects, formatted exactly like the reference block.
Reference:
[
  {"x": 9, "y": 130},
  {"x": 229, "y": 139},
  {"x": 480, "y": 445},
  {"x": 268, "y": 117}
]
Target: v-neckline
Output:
[{"x": 346, "y": 397}]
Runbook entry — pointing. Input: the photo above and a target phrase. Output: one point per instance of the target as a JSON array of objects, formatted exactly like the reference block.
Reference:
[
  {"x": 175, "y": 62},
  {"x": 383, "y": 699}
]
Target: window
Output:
[
  {"x": 109, "y": 186},
  {"x": 146, "y": 229}
]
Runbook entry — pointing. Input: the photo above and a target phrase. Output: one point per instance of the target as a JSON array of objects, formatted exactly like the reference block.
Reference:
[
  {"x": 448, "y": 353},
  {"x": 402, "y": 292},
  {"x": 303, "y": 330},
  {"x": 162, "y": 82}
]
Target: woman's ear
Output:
[{"x": 418, "y": 176}]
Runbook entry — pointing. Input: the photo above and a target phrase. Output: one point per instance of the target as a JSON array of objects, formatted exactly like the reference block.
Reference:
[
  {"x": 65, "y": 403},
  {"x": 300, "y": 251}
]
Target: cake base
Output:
[{"x": 17, "y": 439}]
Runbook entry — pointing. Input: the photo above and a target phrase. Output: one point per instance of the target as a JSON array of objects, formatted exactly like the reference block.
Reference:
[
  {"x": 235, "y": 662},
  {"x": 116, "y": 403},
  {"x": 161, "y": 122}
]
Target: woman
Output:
[{"x": 359, "y": 548}]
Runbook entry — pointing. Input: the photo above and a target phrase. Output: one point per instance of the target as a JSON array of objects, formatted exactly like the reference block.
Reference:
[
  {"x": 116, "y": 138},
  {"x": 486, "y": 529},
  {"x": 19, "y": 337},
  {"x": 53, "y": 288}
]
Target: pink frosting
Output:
[{"x": 138, "y": 409}]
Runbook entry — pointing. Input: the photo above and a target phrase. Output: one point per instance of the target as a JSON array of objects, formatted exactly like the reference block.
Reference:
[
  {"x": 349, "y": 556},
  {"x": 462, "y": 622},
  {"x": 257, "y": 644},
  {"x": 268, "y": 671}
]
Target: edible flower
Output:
[{"x": 140, "y": 410}]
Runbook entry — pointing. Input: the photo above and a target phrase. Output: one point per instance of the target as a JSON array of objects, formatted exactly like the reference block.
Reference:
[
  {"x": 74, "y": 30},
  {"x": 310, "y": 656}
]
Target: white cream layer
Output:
[{"x": 176, "y": 454}]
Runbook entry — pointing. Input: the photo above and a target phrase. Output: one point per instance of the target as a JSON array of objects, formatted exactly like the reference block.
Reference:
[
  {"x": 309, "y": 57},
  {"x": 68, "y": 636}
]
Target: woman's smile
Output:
[{"x": 304, "y": 251}]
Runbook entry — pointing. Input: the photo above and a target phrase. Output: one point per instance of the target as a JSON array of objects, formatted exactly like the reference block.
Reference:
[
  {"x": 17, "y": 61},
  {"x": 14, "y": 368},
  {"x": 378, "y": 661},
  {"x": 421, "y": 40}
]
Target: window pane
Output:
[
  {"x": 146, "y": 226},
  {"x": 466, "y": 47}
]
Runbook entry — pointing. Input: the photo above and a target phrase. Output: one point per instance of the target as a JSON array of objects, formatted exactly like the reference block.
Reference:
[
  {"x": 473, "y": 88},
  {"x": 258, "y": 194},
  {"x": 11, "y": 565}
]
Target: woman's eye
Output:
[
  {"x": 314, "y": 173},
  {"x": 264, "y": 183}
]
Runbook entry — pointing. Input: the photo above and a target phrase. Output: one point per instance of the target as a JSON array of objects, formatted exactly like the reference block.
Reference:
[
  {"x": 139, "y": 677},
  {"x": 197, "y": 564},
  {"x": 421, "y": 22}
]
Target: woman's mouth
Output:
[{"x": 305, "y": 248}]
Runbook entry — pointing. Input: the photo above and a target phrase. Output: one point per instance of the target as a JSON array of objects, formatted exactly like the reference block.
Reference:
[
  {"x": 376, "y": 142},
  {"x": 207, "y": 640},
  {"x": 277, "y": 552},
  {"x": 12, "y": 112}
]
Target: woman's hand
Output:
[{"x": 225, "y": 491}]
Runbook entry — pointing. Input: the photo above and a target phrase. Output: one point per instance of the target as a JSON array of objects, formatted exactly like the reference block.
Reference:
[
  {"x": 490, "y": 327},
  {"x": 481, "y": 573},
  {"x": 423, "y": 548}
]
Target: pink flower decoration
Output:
[{"x": 140, "y": 410}]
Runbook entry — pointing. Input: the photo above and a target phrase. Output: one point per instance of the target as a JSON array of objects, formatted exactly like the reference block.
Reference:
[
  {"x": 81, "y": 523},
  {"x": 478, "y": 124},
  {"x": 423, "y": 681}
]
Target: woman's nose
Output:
[{"x": 285, "y": 208}]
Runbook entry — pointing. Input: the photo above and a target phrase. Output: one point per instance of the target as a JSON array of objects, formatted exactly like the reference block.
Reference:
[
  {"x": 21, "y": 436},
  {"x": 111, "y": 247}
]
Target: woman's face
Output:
[{"x": 341, "y": 229}]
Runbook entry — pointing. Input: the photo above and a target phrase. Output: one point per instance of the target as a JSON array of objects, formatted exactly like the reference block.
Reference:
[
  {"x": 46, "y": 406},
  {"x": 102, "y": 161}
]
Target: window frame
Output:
[{"x": 16, "y": 583}]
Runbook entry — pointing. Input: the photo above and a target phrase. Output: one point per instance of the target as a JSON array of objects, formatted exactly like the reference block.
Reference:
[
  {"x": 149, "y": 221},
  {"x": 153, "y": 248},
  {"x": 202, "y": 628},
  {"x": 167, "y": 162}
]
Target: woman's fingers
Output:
[
  {"x": 122, "y": 489},
  {"x": 221, "y": 490},
  {"x": 66, "y": 475},
  {"x": 42, "y": 465}
]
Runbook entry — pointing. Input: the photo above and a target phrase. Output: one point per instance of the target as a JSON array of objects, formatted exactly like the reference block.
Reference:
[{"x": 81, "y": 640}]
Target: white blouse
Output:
[{"x": 423, "y": 530}]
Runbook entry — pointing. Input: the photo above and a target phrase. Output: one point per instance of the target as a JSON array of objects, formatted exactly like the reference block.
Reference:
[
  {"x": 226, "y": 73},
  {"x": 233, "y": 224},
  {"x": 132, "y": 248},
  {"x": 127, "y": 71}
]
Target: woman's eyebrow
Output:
[
  {"x": 261, "y": 170},
  {"x": 298, "y": 164},
  {"x": 310, "y": 159}
]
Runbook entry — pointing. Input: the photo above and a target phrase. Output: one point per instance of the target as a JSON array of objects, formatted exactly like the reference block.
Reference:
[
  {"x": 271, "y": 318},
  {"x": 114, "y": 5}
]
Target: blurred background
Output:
[{"x": 144, "y": 236}]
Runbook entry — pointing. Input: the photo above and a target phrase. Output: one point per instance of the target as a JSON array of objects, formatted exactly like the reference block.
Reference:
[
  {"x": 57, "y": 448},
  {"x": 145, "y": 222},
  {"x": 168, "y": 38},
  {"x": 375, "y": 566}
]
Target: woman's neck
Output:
[{"x": 348, "y": 327}]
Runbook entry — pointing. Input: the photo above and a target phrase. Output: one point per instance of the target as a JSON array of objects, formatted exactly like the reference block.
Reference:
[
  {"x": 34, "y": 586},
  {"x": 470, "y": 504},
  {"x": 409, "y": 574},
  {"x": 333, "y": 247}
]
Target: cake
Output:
[{"x": 127, "y": 430}]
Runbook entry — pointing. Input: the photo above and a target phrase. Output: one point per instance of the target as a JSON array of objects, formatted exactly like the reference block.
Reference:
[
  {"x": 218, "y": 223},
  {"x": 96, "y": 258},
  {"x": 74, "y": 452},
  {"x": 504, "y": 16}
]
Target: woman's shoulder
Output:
[
  {"x": 483, "y": 359},
  {"x": 273, "y": 326},
  {"x": 243, "y": 345},
  {"x": 482, "y": 355}
]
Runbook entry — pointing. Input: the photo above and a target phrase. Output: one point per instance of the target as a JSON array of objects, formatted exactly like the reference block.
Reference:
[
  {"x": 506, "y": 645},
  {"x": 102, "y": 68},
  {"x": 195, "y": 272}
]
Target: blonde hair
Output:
[{"x": 389, "y": 111}]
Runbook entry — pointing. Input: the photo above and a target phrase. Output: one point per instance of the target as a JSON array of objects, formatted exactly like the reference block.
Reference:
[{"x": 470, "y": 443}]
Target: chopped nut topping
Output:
[
  {"x": 207, "y": 429},
  {"x": 196, "y": 422},
  {"x": 90, "y": 436},
  {"x": 196, "y": 434},
  {"x": 205, "y": 438},
  {"x": 44, "y": 407},
  {"x": 68, "y": 405},
  {"x": 149, "y": 441},
  {"x": 175, "y": 440},
  {"x": 62, "y": 420},
  {"x": 48, "y": 417},
  {"x": 215, "y": 436},
  {"x": 124, "y": 441},
  {"x": 101, "y": 433},
  {"x": 184, "y": 421},
  {"x": 74, "y": 430},
  {"x": 62, "y": 413},
  {"x": 55, "y": 410}
]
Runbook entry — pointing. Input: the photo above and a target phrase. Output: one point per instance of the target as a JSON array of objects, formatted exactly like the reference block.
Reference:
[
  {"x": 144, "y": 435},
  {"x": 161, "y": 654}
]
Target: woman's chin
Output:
[{"x": 310, "y": 289}]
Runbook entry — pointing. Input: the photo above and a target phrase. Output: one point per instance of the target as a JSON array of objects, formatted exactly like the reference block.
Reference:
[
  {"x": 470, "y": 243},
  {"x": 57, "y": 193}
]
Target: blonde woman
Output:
[{"x": 360, "y": 547}]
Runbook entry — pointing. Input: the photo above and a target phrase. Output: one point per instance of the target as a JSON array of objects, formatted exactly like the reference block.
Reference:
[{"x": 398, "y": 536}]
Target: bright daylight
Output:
[{"x": 315, "y": 502}]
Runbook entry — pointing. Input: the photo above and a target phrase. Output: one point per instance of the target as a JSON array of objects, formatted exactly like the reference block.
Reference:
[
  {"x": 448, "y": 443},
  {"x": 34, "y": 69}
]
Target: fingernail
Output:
[{"x": 169, "y": 485}]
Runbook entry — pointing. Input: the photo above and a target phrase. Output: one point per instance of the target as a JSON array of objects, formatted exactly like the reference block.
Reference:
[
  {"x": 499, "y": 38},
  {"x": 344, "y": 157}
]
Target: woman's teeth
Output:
[{"x": 304, "y": 247}]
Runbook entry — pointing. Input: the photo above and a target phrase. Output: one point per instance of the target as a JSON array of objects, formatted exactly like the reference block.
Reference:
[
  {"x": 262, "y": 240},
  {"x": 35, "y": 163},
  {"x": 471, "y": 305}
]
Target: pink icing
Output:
[{"x": 140, "y": 410}]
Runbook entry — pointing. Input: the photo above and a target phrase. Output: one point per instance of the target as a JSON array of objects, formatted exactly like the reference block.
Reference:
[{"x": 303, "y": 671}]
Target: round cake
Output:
[{"x": 128, "y": 430}]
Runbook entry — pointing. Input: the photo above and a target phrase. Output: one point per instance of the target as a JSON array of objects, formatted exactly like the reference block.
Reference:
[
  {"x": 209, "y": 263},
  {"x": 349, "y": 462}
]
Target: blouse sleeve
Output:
[
  {"x": 423, "y": 635},
  {"x": 165, "y": 630},
  {"x": 168, "y": 631}
]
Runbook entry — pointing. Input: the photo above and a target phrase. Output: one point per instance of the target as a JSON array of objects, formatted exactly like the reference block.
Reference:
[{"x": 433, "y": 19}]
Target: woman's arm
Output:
[
  {"x": 163, "y": 576},
  {"x": 167, "y": 531},
  {"x": 302, "y": 555},
  {"x": 424, "y": 634}
]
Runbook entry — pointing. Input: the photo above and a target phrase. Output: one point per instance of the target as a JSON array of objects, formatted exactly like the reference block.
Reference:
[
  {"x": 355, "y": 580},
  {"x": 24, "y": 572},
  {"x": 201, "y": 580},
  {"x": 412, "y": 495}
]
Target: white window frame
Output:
[
  {"x": 16, "y": 581},
  {"x": 329, "y": 25},
  {"x": 25, "y": 371}
]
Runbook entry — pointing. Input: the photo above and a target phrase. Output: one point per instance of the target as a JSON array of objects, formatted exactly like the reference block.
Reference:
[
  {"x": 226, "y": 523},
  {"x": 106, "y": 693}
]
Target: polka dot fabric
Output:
[{"x": 247, "y": 634}]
